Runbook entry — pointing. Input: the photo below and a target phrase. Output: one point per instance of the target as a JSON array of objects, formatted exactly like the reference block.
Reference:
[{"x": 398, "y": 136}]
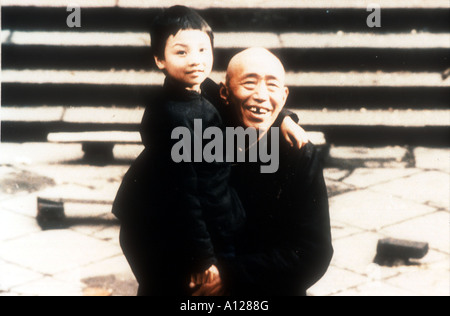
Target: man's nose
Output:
[{"x": 262, "y": 92}]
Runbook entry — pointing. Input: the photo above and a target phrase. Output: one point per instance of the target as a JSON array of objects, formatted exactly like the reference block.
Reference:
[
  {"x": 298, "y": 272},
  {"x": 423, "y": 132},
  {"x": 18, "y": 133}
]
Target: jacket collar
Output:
[{"x": 175, "y": 91}]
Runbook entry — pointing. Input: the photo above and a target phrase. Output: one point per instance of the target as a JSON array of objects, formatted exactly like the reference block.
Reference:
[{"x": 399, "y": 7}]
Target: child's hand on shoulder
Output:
[
  {"x": 294, "y": 134},
  {"x": 209, "y": 276}
]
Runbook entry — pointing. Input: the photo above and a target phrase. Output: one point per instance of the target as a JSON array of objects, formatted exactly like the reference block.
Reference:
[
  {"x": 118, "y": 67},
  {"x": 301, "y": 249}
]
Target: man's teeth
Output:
[{"x": 258, "y": 110}]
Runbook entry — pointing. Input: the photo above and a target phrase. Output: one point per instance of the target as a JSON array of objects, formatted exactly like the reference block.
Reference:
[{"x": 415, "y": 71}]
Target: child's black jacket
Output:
[{"x": 185, "y": 212}]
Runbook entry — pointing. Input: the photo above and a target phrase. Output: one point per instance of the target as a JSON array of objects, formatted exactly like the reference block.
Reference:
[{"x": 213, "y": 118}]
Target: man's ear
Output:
[
  {"x": 161, "y": 63},
  {"x": 223, "y": 90},
  {"x": 286, "y": 95}
]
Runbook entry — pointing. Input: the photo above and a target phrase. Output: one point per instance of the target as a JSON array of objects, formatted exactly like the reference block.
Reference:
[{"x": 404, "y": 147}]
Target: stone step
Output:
[
  {"x": 413, "y": 40},
  {"x": 346, "y": 127},
  {"x": 131, "y": 138},
  {"x": 126, "y": 116},
  {"x": 302, "y": 97},
  {"x": 199, "y": 4},
  {"x": 151, "y": 78},
  {"x": 356, "y": 84},
  {"x": 114, "y": 137},
  {"x": 299, "y": 51},
  {"x": 98, "y": 147},
  {"x": 363, "y": 117},
  {"x": 315, "y": 90},
  {"x": 228, "y": 16},
  {"x": 104, "y": 58}
]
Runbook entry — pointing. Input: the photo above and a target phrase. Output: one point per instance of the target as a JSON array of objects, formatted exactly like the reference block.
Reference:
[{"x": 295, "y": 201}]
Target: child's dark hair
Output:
[{"x": 173, "y": 20}]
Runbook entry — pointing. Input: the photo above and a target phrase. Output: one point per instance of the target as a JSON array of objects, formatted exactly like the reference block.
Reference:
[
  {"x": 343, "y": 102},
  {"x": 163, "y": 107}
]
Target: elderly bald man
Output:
[{"x": 285, "y": 246}]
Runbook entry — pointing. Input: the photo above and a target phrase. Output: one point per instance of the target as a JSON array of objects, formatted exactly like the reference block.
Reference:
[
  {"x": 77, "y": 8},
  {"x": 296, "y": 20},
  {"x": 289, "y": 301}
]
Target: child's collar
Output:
[{"x": 176, "y": 91}]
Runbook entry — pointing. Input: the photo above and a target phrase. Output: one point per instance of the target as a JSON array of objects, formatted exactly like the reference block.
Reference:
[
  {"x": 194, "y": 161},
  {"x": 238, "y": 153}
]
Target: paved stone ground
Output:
[{"x": 374, "y": 193}]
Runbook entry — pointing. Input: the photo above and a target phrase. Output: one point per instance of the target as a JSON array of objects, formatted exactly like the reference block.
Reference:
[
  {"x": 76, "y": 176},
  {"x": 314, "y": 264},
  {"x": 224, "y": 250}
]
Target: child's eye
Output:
[{"x": 181, "y": 53}]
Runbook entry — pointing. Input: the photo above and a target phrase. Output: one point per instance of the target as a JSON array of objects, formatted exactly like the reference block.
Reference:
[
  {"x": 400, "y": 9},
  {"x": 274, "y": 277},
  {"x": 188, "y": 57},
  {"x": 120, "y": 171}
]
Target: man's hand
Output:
[
  {"x": 215, "y": 288},
  {"x": 292, "y": 132}
]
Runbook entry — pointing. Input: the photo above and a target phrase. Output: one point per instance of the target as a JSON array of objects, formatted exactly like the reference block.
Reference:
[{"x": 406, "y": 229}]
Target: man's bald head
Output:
[
  {"x": 255, "y": 87},
  {"x": 255, "y": 58}
]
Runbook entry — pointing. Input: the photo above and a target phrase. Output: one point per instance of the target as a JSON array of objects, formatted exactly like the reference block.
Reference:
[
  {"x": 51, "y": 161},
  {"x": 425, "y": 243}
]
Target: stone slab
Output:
[
  {"x": 13, "y": 275},
  {"x": 75, "y": 194},
  {"x": 127, "y": 152},
  {"x": 356, "y": 254},
  {"x": 372, "y": 211},
  {"x": 84, "y": 176},
  {"x": 23, "y": 204},
  {"x": 90, "y": 213},
  {"x": 335, "y": 281},
  {"x": 104, "y": 228},
  {"x": 377, "y": 289},
  {"x": 433, "y": 158},
  {"x": 14, "y": 225},
  {"x": 48, "y": 286},
  {"x": 110, "y": 234},
  {"x": 432, "y": 228},
  {"x": 434, "y": 260},
  {"x": 424, "y": 283},
  {"x": 335, "y": 188},
  {"x": 342, "y": 230},
  {"x": 391, "y": 152},
  {"x": 116, "y": 266},
  {"x": 23, "y": 181},
  {"x": 336, "y": 174},
  {"x": 51, "y": 252},
  {"x": 363, "y": 177},
  {"x": 430, "y": 188},
  {"x": 37, "y": 153}
]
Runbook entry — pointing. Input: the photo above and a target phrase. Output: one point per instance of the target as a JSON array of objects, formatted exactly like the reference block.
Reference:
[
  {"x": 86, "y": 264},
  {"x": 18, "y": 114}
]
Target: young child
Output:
[{"x": 178, "y": 219}]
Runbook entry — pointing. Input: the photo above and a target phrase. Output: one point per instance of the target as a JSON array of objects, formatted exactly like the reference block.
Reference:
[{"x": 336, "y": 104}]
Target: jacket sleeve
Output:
[
  {"x": 283, "y": 114},
  {"x": 303, "y": 252}
]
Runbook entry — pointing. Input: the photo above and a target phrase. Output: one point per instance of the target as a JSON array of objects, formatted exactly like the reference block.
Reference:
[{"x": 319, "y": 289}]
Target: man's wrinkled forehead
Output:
[{"x": 256, "y": 63}]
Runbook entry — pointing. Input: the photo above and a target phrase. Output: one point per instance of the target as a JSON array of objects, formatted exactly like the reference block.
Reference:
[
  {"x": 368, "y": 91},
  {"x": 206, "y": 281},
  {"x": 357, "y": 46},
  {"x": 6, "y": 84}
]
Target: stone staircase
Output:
[{"x": 358, "y": 85}]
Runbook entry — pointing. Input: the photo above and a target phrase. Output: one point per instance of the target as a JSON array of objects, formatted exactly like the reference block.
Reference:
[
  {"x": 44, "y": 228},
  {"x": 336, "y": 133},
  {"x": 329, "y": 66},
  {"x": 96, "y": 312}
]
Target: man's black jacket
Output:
[{"x": 286, "y": 245}]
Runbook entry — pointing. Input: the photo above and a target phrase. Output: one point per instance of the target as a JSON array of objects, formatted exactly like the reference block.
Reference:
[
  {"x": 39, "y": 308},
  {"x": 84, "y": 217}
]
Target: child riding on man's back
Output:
[
  {"x": 178, "y": 220},
  {"x": 189, "y": 214}
]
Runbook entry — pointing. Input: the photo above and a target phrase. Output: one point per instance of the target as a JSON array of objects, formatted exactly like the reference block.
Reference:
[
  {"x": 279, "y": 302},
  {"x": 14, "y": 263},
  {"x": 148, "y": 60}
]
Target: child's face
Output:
[{"x": 188, "y": 58}]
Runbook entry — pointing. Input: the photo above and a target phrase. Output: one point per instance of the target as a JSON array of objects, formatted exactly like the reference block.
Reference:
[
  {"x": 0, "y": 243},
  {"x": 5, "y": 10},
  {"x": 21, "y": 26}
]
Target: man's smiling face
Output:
[{"x": 256, "y": 88}]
